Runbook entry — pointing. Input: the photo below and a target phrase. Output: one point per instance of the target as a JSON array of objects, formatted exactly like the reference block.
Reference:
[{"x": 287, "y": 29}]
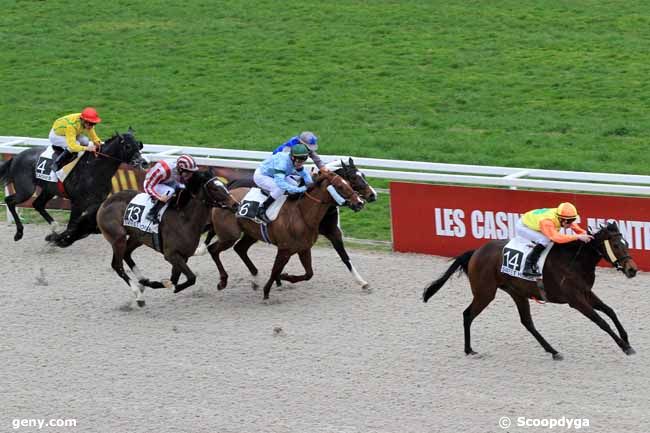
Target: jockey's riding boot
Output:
[
  {"x": 530, "y": 268},
  {"x": 153, "y": 212},
  {"x": 62, "y": 159},
  {"x": 261, "y": 211}
]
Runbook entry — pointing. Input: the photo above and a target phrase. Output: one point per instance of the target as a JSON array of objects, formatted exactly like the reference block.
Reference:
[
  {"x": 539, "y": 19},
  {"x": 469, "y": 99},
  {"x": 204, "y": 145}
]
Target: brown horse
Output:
[
  {"x": 180, "y": 230},
  {"x": 329, "y": 225},
  {"x": 568, "y": 276},
  {"x": 294, "y": 231}
]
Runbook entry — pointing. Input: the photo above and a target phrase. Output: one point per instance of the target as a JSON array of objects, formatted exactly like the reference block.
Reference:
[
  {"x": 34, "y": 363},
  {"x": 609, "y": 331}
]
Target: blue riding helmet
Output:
[{"x": 309, "y": 139}]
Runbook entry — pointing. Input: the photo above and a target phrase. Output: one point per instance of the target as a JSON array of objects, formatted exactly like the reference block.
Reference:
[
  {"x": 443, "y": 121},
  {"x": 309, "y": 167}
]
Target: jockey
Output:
[
  {"x": 309, "y": 140},
  {"x": 271, "y": 175},
  {"x": 68, "y": 135},
  {"x": 164, "y": 179},
  {"x": 541, "y": 227}
]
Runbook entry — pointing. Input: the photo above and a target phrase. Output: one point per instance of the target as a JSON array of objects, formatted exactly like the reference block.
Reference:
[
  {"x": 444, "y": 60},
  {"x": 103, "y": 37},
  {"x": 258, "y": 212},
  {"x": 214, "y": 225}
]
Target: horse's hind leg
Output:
[
  {"x": 599, "y": 305},
  {"x": 526, "y": 319},
  {"x": 241, "y": 248},
  {"x": 332, "y": 231},
  {"x": 582, "y": 305},
  {"x": 305, "y": 259},
  {"x": 132, "y": 244},
  {"x": 12, "y": 201},
  {"x": 215, "y": 249},
  {"x": 39, "y": 205},
  {"x": 482, "y": 298},
  {"x": 119, "y": 248}
]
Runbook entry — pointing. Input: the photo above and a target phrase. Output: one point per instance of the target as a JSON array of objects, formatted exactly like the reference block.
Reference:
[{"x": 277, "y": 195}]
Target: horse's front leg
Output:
[
  {"x": 330, "y": 229},
  {"x": 305, "y": 259},
  {"x": 281, "y": 259},
  {"x": 63, "y": 239},
  {"x": 599, "y": 305},
  {"x": 581, "y": 304}
]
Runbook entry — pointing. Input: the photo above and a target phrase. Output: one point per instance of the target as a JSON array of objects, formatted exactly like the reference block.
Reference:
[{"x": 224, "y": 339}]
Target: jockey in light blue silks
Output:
[
  {"x": 272, "y": 173},
  {"x": 311, "y": 143}
]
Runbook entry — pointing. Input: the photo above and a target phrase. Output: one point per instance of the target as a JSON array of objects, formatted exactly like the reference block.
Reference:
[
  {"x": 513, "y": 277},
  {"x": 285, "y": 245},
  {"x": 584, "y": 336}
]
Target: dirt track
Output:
[{"x": 322, "y": 357}]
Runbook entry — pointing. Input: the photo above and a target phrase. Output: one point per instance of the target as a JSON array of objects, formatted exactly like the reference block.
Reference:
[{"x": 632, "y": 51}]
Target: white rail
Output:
[{"x": 403, "y": 170}]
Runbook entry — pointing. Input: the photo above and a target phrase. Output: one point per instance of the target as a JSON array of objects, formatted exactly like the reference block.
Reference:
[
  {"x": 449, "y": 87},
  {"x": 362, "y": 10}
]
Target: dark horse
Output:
[
  {"x": 180, "y": 230},
  {"x": 568, "y": 275},
  {"x": 294, "y": 231},
  {"x": 86, "y": 186},
  {"x": 329, "y": 225}
]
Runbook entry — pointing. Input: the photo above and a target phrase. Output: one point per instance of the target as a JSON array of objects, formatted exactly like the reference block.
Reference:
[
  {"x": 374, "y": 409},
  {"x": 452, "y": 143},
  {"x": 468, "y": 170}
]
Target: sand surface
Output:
[{"x": 323, "y": 356}]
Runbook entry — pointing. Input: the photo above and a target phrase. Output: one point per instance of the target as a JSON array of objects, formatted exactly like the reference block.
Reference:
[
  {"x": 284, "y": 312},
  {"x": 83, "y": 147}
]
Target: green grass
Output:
[{"x": 546, "y": 84}]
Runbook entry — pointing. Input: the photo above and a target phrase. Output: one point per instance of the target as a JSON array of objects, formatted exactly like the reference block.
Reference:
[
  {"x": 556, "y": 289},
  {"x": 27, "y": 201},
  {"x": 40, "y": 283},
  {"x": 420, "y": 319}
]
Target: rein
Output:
[
  {"x": 105, "y": 155},
  {"x": 317, "y": 200}
]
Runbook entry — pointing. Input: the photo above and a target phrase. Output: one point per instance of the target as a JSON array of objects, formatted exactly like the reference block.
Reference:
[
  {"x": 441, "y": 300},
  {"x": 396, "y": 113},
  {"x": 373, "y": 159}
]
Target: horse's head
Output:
[
  {"x": 612, "y": 246},
  {"x": 341, "y": 190},
  {"x": 125, "y": 148},
  {"x": 356, "y": 178},
  {"x": 211, "y": 190}
]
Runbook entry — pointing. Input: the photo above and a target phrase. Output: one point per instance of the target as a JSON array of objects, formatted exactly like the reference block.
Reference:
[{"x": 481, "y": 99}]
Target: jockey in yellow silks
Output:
[
  {"x": 541, "y": 226},
  {"x": 74, "y": 133}
]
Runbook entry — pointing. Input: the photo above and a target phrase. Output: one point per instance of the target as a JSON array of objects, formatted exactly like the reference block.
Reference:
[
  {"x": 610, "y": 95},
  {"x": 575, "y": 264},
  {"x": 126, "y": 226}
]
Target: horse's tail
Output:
[
  {"x": 4, "y": 171},
  {"x": 460, "y": 261}
]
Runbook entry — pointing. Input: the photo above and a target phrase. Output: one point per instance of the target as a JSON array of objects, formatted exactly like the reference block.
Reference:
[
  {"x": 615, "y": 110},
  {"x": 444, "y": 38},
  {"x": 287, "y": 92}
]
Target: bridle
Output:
[
  {"x": 210, "y": 202},
  {"x": 609, "y": 255}
]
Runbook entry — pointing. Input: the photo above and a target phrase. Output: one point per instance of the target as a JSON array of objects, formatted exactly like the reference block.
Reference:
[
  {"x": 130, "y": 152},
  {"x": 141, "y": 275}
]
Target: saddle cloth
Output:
[
  {"x": 44, "y": 167},
  {"x": 136, "y": 212},
  {"x": 253, "y": 200},
  {"x": 515, "y": 253}
]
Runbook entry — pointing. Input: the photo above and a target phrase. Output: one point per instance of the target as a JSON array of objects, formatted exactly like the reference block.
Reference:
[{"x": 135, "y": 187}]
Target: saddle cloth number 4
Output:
[{"x": 44, "y": 168}]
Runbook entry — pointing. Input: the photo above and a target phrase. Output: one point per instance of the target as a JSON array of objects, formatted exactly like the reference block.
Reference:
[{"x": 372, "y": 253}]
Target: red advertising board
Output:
[{"x": 448, "y": 220}]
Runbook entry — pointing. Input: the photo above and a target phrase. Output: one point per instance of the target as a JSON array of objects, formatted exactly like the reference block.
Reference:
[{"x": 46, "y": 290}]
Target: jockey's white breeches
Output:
[
  {"x": 531, "y": 235},
  {"x": 267, "y": 183},
  {"x": 162, "y": 190},
  {"x": 60, "y": 141}
]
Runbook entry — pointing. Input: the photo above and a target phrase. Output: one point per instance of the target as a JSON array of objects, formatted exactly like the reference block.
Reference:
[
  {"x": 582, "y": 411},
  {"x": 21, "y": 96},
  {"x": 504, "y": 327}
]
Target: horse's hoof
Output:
[
  {"x": 222, "y": 285},
  {"x": 558, "y": 357},
  {"x": 471, "y": 353},
  {"x": 140, "y": 303},
  {"x": 254, "y": 285},
  {"x": 365, "y": 286},
  {"x": 629, "y": 351},
  {"x": 168, "y": 284},
  {"x": 18, "y": 236}
]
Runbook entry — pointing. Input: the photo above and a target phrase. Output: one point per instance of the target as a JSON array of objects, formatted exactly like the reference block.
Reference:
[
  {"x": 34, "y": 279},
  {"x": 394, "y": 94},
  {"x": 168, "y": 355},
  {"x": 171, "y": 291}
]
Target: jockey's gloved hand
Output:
[{"x": 91, "y": 147}]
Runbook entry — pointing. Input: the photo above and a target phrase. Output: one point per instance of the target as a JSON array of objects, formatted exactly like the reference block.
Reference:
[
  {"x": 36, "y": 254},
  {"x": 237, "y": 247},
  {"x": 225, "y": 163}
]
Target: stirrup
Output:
[
  {"x": 531, "y": 272},
  {"x": 263, "y": 217}
]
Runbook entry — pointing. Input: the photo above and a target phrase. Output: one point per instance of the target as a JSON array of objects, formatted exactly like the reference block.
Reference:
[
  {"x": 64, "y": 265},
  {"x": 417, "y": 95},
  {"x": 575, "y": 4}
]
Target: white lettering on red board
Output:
[{"x": 451, "y": 222}]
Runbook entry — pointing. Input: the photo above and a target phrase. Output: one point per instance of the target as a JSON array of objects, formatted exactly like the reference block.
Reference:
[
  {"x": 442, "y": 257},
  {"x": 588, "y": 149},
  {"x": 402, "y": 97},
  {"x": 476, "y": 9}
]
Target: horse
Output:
[
  {"x": 294, "y": 231},
  {"x": 329, "y": 225},
  {"x": 86, "y": 186},
  {"x": 568, "y": 277},
  {"x": 180, "y": 230}
]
